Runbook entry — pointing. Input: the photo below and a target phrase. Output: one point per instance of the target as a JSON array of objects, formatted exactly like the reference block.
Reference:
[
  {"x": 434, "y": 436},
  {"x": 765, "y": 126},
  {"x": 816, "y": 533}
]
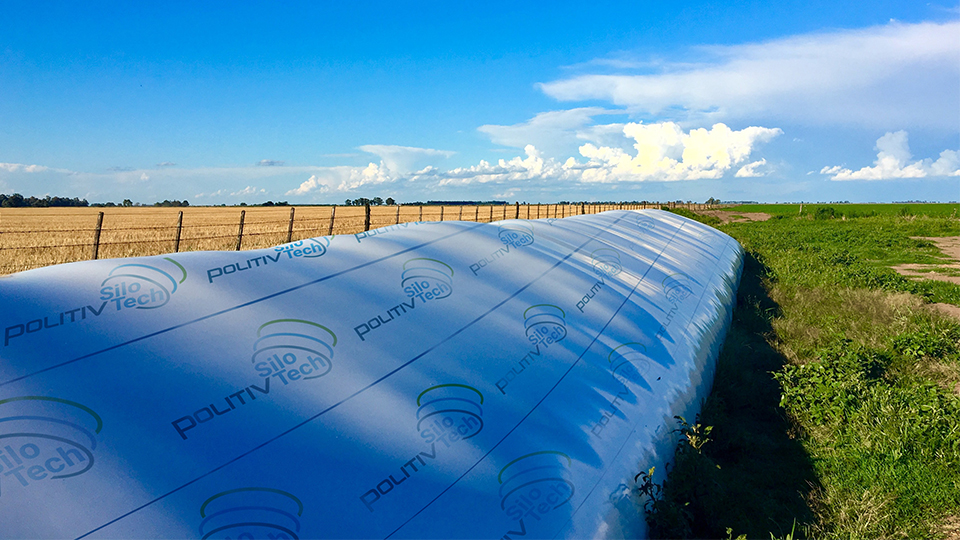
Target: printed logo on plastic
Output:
[
  {"x": 449, "y": 410},
  {"x": 629, "y": 363},
  {"x": 426, "y": 279},
  {"x": 606, "y": 262},
  {"x": 545, "y": 323},
  {"x": 535, "y": 484},
  {"x": 446, "y": 414},
  {"x": 293, "y": 350},
  {"x": 516, "y": 233},
  {"x": 646, "y": 224},
  {"x": 309, "y": 248},
  {"x": 251, "y": 512},
  {"x": 142, "y": 286},
  {"x": 676, "y": 287},
  {"x": 45, "y": 438}
]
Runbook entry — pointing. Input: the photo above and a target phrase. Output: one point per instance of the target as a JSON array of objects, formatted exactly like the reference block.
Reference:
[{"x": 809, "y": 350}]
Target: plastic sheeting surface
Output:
[{"x": 425, "y": 380}]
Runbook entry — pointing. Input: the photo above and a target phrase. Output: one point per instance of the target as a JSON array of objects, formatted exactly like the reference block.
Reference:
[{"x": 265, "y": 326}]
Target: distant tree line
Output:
[
  {"x": 376, "y": 201},
  {"x": 19, "y": 201},
  {"x": 127, "y": 203}
]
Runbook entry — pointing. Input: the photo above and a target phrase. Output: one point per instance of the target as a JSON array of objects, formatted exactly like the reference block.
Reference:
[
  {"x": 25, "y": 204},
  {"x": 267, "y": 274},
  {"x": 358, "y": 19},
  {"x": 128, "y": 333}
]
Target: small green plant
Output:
[{"x": 825, "y": 212}]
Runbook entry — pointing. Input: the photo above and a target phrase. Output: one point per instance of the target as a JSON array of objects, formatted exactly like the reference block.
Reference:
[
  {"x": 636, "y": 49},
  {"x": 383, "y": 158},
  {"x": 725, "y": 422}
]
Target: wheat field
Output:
[{"x": 35, "y": 237}]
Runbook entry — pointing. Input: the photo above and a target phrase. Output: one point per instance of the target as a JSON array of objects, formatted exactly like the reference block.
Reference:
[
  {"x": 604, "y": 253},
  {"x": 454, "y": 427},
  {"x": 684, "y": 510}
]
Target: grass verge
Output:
[{"x": 835, "y": 411}]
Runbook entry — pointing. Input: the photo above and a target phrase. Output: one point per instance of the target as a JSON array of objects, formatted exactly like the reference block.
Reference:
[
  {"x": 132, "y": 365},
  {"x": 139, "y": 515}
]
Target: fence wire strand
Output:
[{"x": 302, "y": 225}]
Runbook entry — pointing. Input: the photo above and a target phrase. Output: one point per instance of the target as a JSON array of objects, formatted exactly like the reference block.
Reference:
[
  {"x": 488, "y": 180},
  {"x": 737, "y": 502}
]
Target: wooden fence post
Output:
[
  {"x": 441, "y": 212},
  {"x": 517, "y": 216},
  {"x": 460, "y": 217},
  {"x": 398, "y": 214},
  {"x": 240, "y": 230},
  {"x": 528, "y": 210},
  {"x": 176, "y": 243},
  {"x": 491, "y": 214},
  {"x": 333, "y": 214},
  {"x": 290, "y": 228},
  {"x": 476, "y": 214},
  {"x": 96, "y": 236},
  {"x": 366, "y": 219},
  {"x": 420, "y": 217}
]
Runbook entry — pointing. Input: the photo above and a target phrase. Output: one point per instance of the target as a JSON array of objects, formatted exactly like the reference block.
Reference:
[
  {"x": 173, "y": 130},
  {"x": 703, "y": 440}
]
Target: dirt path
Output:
[
  {"x": 947, "y": 271},
  {"x": 732, "y": 216}
]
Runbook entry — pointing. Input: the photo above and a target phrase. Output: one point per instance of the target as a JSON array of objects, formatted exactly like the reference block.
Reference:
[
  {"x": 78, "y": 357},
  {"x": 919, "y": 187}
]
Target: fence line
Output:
[{"x": 245, "y": 238}]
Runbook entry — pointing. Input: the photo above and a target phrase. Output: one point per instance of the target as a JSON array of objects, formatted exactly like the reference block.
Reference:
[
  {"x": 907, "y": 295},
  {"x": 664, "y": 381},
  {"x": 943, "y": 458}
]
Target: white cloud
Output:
[
  {"x": 249, "y": 190},
  {"x": 893, "y": 155},
  {"x": 166, "y": 164},
  {"x": 556, "y": 132},
  {"x": 19, "y": 167},
  {"x": 404, "y": 159},
  {"x": 897, "y": 74},
  {"x": 750, "y": 170},
  {"x": 270, "y": 163},
  {"x": 310, "y": 184},
  {"x": 666, "y": 153}
]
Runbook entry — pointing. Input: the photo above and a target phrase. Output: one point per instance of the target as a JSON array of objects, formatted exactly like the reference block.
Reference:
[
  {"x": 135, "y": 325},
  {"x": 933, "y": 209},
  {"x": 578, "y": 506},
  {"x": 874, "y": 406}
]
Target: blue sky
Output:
[{"x": 316, "y": 103}]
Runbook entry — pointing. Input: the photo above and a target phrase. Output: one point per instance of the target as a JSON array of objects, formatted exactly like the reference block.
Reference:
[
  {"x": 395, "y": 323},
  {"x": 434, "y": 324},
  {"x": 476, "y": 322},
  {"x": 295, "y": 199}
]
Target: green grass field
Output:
[
  {"x": 835, "y": 411},
  {"x": 857, "y": 210}
]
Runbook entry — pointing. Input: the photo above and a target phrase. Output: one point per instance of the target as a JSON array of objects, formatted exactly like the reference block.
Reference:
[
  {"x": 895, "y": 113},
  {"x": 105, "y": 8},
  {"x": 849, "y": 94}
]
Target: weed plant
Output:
[{"x": 835, "y": 411}]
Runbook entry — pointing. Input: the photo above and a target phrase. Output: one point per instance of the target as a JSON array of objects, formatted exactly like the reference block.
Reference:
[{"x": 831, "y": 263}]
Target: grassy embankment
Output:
[{"x": 836, "y": 407}]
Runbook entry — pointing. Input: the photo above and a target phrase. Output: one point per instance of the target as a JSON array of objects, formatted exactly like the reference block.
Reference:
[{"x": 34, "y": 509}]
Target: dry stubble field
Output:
[{"x": 35, "y": 237}]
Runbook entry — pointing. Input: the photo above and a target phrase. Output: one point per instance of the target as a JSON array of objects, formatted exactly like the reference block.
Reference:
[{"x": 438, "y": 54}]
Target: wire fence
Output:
[{"x": 33, "y": 238}]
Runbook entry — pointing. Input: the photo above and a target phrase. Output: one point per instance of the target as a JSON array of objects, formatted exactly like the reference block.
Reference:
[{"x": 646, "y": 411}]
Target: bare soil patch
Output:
[
  {"x": 950, "y": 246},
  {"x": 947, "y": 309},
  {"x": 732, "y": 216}
]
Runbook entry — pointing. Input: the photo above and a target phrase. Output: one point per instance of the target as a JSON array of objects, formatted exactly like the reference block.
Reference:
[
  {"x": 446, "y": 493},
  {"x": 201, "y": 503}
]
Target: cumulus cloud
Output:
[
  {"x": 249, "y": 190},
  {"x": 750, "y": 170},
  {"x": 345, "y": 179},
  {"x": 664, "y": 152},
  {"x": 270, "y": 163},
  {"x": 20, "y": 167},
  {"x": 404, "y": 159},
  {"x": 893, "y": 156},
  {"x": 166, "y": 164},
  {"x": 897, "y": 74}
]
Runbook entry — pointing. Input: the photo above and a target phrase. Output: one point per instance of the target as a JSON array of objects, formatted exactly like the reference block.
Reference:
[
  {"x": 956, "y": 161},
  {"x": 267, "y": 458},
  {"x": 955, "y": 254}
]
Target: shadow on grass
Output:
[{"x": 764, "y": 475}]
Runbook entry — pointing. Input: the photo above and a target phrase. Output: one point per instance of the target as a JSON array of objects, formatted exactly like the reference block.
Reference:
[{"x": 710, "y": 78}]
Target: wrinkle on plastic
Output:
[{"x": 424, "y": 380}]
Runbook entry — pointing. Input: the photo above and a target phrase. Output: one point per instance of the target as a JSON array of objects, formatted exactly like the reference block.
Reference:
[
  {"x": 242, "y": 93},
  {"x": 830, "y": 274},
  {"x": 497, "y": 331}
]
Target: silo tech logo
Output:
[
  {"x": 545, "y": 324},
  {"x": 676, "y": 287},
  {"x": 141, "y": 286},
  {"x": 449, "y": 410},
  {"x": 128, "y": 286},
  {"x": 293, "y": 350},
  {"x": 645, "y": 224},
  {"x": 516, "y": 234},
  {"x": 422, "y": 280},
  {"x": 606, "y": 262},
  {"x": 628, "y": 365},
  {"x": 533, "y": 485},
  {"x": 45, "y": 438},
  {"x": 251, "y": 512},
  {"x": 446, "y": 414},
  {"x": 426, "y": 279}
]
